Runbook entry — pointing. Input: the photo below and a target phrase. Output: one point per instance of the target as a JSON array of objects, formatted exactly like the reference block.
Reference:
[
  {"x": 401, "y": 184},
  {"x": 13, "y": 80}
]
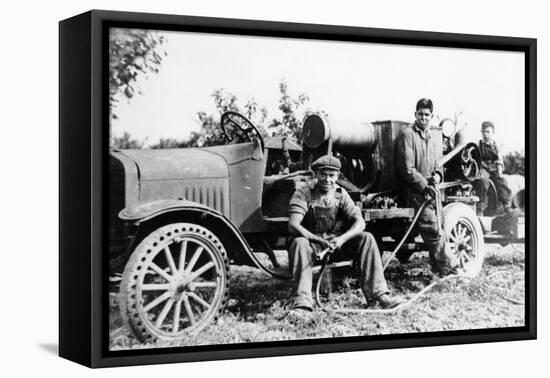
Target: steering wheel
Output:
[{"x": 237, "y": 128}]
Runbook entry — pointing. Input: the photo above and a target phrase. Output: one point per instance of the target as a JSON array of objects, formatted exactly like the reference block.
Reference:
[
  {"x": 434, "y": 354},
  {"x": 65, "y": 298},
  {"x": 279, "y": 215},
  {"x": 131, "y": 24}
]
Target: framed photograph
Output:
[{"x": 235, "y": 188}]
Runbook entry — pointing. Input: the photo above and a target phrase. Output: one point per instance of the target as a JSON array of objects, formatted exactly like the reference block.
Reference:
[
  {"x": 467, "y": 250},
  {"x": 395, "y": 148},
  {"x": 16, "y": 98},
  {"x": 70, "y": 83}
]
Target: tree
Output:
[
  {"x": 195, "y": 140},
  {"x": 126, "y": 142},
  {"x": 211, "y": 133},
  {"x": 514, "y": 163},
  {"x": 131, "y": 52},
  {"x": 289, "y": 124}
]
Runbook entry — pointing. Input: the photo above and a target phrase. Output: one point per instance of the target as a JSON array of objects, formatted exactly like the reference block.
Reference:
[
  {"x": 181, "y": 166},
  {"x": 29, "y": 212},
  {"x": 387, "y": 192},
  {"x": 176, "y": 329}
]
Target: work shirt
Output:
[
  {"x": 308, "y": 197},
  {"x": 490, "y": 156},
  {"x": 416, "y": 158}
]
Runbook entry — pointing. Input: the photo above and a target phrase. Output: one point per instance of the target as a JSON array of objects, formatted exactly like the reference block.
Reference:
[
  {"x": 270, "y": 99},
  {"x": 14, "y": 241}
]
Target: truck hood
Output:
[{"x": 169, "y": 164}]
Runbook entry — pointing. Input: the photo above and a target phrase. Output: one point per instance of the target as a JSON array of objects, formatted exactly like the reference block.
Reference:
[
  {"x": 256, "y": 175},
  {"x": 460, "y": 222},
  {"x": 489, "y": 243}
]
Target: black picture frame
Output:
[{"x": 83, "y": 112}]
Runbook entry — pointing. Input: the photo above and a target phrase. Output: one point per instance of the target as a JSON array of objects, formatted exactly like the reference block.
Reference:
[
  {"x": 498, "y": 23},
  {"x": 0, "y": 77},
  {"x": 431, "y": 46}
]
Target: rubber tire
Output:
[
  {"x": 134, "y": 270},
  {"x": 453, "y": 214}
]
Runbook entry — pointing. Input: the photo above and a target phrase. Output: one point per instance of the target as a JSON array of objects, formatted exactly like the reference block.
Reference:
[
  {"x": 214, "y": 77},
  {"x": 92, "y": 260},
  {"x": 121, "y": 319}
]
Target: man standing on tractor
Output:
[
  {"x": 315, "y": 212},
  {"x": 416, "y": 162},
  {"x": 492, "y": 167}
]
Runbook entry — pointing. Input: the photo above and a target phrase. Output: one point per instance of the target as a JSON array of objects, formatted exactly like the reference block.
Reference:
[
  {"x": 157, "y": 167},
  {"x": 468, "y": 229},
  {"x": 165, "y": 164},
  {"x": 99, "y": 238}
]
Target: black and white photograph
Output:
[
  {"x": 269, "y": 189},
  {"x": 279, "y": 188}
]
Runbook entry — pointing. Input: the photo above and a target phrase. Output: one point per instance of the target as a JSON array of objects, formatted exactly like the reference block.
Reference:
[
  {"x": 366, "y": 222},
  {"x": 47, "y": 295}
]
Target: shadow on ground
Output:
[{"x": 50, "y": 348}]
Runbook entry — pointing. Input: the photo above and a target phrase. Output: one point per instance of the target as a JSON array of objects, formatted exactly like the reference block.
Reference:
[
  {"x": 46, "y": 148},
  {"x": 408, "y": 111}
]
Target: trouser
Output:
[
  {"x": 362, "y": 249},
  {"x": 431, "y": 231},
  {"x": 504, "y": 192}
]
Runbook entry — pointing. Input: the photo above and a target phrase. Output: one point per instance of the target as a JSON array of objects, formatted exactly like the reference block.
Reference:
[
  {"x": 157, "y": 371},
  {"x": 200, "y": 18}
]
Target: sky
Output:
[{"x": 351, "y": 81}]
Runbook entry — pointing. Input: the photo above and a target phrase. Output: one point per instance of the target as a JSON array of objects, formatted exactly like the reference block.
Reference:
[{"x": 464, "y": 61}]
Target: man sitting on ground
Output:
[{"x": 314, "y": 211}]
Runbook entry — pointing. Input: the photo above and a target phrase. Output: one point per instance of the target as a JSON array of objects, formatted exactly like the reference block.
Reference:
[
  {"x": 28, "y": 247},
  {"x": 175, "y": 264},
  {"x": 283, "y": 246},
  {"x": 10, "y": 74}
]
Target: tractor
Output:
[{"x": 179, "y": 218}]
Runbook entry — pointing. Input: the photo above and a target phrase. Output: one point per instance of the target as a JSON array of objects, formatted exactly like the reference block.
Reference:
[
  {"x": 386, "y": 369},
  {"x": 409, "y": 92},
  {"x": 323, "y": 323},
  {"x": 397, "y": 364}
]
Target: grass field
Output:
[{"x": 259, "y": 306}]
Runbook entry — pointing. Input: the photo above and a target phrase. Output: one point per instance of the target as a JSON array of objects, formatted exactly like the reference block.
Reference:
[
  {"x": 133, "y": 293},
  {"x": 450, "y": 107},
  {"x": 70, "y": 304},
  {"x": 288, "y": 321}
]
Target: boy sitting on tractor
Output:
[{"x": 491, "y": 171}]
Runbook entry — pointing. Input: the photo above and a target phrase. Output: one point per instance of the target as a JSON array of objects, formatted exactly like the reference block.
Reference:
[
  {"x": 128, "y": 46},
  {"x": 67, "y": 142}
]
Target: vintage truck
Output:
[{"x": 178, "y": 218}]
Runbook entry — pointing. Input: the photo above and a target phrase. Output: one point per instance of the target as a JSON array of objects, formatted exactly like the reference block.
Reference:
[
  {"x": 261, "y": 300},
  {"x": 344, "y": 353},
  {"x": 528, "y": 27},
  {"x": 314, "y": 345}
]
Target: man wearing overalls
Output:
[{"x": 315, "y": 210}]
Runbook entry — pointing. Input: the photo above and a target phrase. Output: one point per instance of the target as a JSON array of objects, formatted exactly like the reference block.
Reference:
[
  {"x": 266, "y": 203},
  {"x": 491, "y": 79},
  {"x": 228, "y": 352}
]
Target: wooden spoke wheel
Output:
[
  {"x": 175, "y": 282},
  {"x": 464, "y": 239}
]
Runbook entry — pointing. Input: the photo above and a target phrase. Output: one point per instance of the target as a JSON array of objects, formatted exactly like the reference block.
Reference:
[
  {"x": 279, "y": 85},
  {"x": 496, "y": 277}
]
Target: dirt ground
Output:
[{"x": 258, "y": 309}]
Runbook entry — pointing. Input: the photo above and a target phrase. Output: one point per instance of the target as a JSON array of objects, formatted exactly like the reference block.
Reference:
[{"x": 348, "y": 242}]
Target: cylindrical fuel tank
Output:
[{"x": 318, "y": 128}]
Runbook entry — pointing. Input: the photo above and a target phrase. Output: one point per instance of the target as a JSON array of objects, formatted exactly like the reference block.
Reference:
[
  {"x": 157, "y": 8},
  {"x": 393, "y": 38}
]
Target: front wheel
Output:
[
  {"x": 175, "y": 282},
  {"x": 464, "y": 246}
]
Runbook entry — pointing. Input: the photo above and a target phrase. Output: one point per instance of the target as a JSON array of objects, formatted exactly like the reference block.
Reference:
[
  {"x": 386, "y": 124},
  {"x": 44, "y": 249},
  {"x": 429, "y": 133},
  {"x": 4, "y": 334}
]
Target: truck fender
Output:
[{"x": 150, "y": 210}]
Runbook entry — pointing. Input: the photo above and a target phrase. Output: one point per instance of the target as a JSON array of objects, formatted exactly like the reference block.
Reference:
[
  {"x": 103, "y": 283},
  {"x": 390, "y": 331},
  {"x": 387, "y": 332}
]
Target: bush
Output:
[{"x": 514, "y": 163}]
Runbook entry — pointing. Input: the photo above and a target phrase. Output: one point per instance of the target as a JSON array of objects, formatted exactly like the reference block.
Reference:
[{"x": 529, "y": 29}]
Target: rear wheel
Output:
[
  {"x": 175, "y": 282},
  {"x": 464, "y": 247}
]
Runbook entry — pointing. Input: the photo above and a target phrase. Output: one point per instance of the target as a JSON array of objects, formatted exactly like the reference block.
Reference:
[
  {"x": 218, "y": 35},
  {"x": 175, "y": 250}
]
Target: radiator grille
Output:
[
  {"x": 212, "y": 196},
  {"x": 211, "y": 192}
]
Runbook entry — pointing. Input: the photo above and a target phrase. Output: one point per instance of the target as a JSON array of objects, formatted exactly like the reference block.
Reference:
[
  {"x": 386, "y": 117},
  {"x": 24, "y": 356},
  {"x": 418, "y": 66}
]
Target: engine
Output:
[{"x": 367, "y": 152}]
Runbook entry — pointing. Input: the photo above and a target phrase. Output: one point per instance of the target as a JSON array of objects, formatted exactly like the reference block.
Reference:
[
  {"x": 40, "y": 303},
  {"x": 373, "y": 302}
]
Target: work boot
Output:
[
  {"x": 301, "y": 303},
  {"x": 438, "y": 257},
  {"x": 403, "y": 255},
  {"x": 434, "y": 266},
  {"x": 387, "y": 302},
  {"x": 300, "y": 316}
]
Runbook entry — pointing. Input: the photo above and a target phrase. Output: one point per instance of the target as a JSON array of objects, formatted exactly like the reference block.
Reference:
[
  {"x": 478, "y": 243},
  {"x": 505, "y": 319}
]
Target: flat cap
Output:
[
  {"x": 487, "y": 124},
  {"x": 328, "y": 162}
]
